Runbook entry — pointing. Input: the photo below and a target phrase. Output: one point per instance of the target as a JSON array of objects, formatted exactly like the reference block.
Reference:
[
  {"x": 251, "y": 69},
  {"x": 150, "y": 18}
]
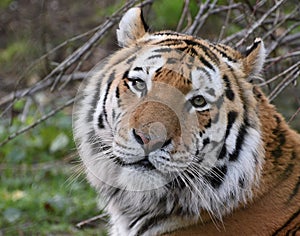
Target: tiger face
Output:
[
  {"x": 168, "y": 113},
  {"x": 171, "y": 120}
]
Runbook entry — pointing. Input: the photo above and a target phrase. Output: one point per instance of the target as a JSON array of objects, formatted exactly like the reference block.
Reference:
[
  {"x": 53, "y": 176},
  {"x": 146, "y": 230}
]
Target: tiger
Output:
[{"x": 177, "y": 139}]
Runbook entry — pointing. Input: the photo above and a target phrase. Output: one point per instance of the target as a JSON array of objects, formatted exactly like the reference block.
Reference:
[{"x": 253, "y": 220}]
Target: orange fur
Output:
[{"x": 275, "y": 210}]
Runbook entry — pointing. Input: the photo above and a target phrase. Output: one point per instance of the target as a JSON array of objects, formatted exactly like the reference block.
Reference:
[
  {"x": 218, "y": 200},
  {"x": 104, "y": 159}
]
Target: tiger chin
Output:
[{"x": 176, "y": 139}]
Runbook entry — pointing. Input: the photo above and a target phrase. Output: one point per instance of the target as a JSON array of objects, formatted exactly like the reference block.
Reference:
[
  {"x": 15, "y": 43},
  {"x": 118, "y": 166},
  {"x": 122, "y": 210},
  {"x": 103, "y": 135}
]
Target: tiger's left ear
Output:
[
  {"x": 255, "y": 57},
  {"x": 131, "y": 27}
]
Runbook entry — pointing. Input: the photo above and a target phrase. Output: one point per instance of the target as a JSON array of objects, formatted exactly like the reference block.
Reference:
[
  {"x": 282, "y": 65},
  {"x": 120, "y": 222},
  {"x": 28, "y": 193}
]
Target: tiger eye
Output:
[
  {"x": 198, "y": 101},
  {"x": 139, "y": 85}
]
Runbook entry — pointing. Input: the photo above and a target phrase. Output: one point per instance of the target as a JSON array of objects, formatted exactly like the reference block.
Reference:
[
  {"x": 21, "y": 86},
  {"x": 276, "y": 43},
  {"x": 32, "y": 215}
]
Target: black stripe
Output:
[
  {"x": 253, "y": 47},
  {"x": 280, "y": 138},
  {"x": 94, "y": 102},
  {"x": 287, "y": 223},
  {"x": 95, "y": 142},
  {"x": 146, "y": 27},
  {"x": 295, "y": 190},
  {"x": 208, "y": 124},
  {"x": 242, "y": 182},
  {"x": 172, "y": 60},
  {"x": 231, "y": 117},
  {"x": 105, "y": 99},
  {"x": 109, "y": 83},
  {"x": 111, "y": 76},
  {"x": 100, "y": 122},
  {"x": 168, "y": 33},
  {"x": 204, "y": 48},
  {"x": 287, "y": 172},
  {"x": 137, "y": 68},
  {"x": 154, "y": 56},
  {"x": 216, "y": 176},
  {"x": 183, "y": 49},
  {"x": 131, "y": 59},
  {"x": 125, "y": 75},
  {"x": 223, "y": 152},
  {"x": 205, "y": 142},
  {"x": 165, "y": 49},
  {"x": 133, "y": 223},
  {"x": 206, "y": 63},
  {"x": 205, "y": 72},
  {"x": 228, "y": 92},
  {"x": 152, "y": 222},
  {"x": 211, "y": 92},
  {"x": 239, "y": 142},
  {"x": 223, "y": 53},
  {"x": 117, "y": 92},
  {"x": 193, "y": 52}
]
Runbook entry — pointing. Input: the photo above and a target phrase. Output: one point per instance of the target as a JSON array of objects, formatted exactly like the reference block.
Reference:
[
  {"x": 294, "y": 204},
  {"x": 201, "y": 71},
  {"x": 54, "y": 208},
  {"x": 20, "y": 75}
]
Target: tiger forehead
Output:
[
  {"x": 195, "y": 47},
  {"x": 174, "y": 79}
]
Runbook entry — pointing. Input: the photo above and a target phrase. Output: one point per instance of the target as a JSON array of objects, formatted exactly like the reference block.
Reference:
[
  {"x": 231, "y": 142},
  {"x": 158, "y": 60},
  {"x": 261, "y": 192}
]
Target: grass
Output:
[{"x": 39, "y": 192}]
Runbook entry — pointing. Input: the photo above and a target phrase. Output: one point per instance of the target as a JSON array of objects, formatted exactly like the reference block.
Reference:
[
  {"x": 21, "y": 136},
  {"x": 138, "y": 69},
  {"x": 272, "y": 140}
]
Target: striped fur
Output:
[{"x": 171, "y": 132}]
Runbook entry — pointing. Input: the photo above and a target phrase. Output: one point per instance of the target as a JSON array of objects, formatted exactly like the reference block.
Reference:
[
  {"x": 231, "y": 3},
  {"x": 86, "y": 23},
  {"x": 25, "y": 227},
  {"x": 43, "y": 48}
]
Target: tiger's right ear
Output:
[{"x": 131, "y": 27}]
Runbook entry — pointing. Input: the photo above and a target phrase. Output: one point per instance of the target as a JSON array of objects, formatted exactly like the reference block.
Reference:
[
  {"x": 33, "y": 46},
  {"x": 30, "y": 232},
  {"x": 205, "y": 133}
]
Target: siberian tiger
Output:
[{"x": 176, "y": 139}]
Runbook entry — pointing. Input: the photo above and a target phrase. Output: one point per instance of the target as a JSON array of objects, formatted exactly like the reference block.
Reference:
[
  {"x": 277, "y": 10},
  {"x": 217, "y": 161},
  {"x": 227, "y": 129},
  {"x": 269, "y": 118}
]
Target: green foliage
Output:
[
  {"x": 5, "y": 3},
  {"x": 38, "y": 193},
  {"x": 104, "y": 12},
  {"x": 13, "y": 50},
  {"x": 166, "y": 8}
]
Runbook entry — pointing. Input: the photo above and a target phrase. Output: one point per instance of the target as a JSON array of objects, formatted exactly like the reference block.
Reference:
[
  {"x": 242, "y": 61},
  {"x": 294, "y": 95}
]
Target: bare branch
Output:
[
  {"x": 291, "y": 77},
  {"x": 193, "y": 27},
  {"x": 288, "y": 70},
  {"x": 258, "y": 23},
  {"x": 40, "y": 87},
  {"x": 43, "y": 118},
  {"x": 102, "y": 216},
  {"x": 183, "y": 14},
  {"x": 224, "y": 26}
]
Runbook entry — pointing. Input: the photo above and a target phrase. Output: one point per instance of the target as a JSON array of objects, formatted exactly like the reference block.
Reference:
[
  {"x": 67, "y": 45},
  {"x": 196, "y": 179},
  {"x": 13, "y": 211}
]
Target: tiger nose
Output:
[{"x": 151, "y": 138}]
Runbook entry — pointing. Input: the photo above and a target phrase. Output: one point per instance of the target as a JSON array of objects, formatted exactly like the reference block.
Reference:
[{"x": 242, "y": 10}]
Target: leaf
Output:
[
  {"x": 56, "y": 204},
  {"x": 59, "y": 143},
  {"x": 17, "y": 195},
  {"x": 16, "y": 155},
  {"x": 12, "y": 214}
]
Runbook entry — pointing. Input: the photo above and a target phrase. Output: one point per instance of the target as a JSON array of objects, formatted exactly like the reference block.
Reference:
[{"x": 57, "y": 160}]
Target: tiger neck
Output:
[{"x": 282, "y": 149}]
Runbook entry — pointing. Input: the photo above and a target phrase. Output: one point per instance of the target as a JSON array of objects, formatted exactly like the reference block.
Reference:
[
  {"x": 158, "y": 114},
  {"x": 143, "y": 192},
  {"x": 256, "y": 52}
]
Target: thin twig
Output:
[
  {"x": 280, "y": 38},
  {"x": 43, "y": 118},
  {"x": 205, "y": 16},
  {"x": 291, "y": 77},
  {"x": 294, "y": 115},
  {"x": 224, "y": 26},
  {"x": 258, "y": 23},
  {"x": 92, "y": 219},
  {"x": 41, "y": 86},
  {"x": 293, "y": 67},
  {"x": 183, "y": 14},
  {"x": 193, "y": 27},
  {"x": 282, "y": 57}
]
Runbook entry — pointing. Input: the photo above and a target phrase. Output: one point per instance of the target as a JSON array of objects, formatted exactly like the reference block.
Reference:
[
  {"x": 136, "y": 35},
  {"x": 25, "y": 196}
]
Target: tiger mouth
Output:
[{"x": 144, "y": 164}]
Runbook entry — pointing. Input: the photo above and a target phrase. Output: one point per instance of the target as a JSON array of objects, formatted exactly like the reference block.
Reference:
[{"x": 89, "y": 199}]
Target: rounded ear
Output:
[
  {"x": 131, "y": 27},
  {"x": 255, "y": 57}
]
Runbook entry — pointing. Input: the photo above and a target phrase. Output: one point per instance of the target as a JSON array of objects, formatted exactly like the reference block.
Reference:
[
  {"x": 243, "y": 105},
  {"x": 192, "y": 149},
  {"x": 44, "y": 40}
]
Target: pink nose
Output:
[
  {"x": 150, "y": 143},
  {"x": 141, "y": 137}
]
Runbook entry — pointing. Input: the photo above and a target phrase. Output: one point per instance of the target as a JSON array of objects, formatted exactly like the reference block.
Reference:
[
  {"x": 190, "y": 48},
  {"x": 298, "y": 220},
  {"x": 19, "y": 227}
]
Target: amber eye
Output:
[
  {"x": 138, "y": 84},
  {"x": 198, "y": 101}
]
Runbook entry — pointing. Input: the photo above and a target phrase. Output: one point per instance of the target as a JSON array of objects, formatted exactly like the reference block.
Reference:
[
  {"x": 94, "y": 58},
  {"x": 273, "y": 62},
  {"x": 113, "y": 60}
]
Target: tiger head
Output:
[{"x": 170, "y": 116}]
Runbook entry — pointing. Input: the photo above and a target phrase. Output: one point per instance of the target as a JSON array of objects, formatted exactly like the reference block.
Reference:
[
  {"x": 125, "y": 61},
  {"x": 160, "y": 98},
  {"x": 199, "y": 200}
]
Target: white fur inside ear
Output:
[
  {"x": 131, "y": 27},
  {"x": 256, "y": 55}
]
